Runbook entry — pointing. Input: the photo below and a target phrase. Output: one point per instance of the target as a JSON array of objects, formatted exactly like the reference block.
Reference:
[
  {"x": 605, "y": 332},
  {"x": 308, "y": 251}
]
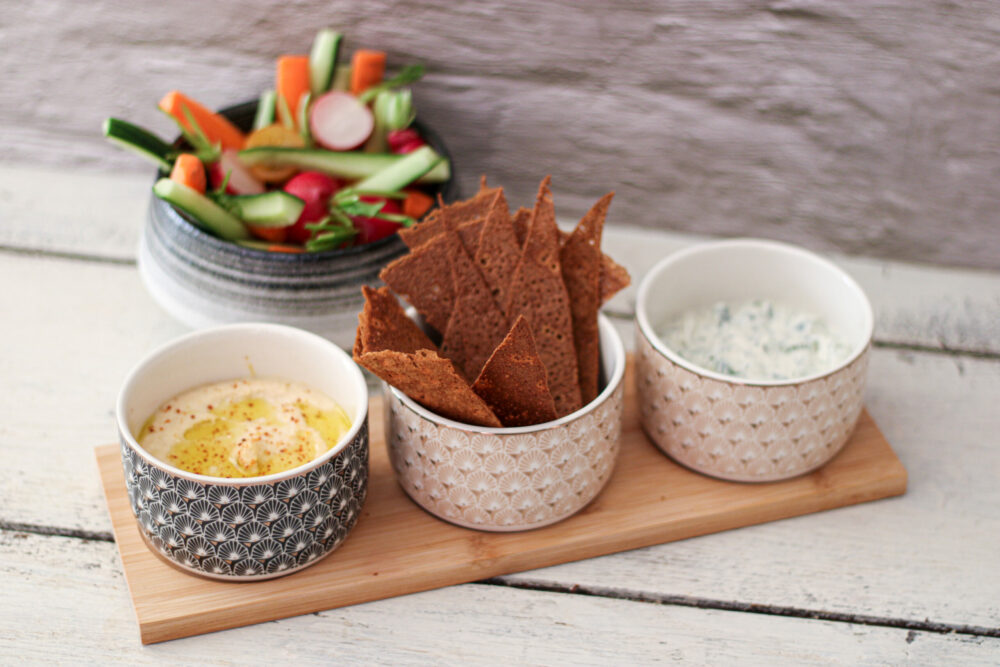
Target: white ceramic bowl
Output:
[
  {"x": 508, "y": 479},
  {"x": 749, "y": 430},
  {"x": 257, "y": 527}
]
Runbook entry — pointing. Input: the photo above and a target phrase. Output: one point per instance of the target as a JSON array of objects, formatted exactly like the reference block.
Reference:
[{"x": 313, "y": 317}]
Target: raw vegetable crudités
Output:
[{"x": 331, "y": 161}]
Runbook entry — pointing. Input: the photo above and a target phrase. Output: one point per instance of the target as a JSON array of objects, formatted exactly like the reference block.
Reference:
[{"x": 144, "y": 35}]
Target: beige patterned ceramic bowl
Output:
[
  {"x": 507, "y": 479},
  {"x": 739, "y": 430}
]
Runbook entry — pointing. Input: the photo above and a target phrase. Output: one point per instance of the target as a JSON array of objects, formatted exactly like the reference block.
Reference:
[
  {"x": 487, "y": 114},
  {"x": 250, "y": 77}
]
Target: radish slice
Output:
[
  {"x": 339, "y": 122},
  {"x": 241, "y": 181}
]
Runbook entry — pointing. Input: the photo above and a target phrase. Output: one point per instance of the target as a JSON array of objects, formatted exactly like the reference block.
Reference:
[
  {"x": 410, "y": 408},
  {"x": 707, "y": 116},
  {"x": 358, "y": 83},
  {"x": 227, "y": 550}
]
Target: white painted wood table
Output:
[{"x": 911, "y": 580}]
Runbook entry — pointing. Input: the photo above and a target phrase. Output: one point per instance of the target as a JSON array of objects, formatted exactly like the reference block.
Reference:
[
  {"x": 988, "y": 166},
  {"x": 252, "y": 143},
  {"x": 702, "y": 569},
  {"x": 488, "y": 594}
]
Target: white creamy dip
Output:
[
  {"x": 244, "y": 428},
  {"x": 754, "y": 340}
]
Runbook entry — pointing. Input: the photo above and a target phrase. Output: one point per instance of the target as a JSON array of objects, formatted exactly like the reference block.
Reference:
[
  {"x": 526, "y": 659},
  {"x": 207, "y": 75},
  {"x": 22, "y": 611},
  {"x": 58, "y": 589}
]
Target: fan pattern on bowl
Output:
[
  {"x": 255, "y": 531},
  {"x": 500, "y": 482},
  {"x": 743, "y": 432}
]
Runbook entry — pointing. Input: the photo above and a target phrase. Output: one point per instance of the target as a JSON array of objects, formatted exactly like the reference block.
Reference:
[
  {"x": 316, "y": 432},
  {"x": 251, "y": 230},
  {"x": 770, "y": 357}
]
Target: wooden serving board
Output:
[{"x": 397, "y": 548}]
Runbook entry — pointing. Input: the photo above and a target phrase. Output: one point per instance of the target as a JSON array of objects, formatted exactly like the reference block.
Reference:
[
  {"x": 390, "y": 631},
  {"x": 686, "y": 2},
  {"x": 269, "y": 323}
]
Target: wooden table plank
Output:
[
  {"x": 928, "y": 555},
  {"x": 66, "y": 602},
  {"x": 75, "y": 212},
  {"x": 102, "y": 214},
  {"x": 74, "y": 346}
]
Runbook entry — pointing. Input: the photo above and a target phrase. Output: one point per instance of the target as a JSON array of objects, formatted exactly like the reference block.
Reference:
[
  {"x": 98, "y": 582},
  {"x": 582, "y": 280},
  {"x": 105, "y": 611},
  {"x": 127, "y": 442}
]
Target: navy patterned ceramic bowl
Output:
[
  {"x": 257, "y": 527},
  {"x": 204, "y": 281}
]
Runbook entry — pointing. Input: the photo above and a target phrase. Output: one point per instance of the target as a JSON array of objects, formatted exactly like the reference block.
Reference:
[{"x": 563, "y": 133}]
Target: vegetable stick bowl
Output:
[{"x": 203, "y": 280}]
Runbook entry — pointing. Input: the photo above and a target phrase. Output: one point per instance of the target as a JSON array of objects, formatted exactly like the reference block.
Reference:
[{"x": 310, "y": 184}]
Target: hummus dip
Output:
[{"x": 244, "y": 428}]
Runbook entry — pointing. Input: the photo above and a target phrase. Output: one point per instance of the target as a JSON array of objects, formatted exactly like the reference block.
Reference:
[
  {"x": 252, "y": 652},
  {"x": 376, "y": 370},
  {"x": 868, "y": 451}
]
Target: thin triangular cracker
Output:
[
  {"x": 498, "y": 251},
  {"x": 476, "y": 324},
  {"x": 520, "y": 221},
  {"x": 432, "y": 381},
  {"x": 580, "y": 259},
  {"x": 469, "y": 233},
  {"x": 538, "y": 293},
  {"x": 383, "y": 325},
  {"x": 513, "y": 381},
  {"x": 423, "y": 277},
  {"x": 614, "y": 278},
  {"x": 455, "y": 214},
  {"x": 423, "y": 231}
]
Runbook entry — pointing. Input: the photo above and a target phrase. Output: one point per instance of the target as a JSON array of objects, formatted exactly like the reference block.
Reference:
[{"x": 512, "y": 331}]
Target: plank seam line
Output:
[
  {"x": 63, "y": 254},
  {"x": 941, "y": 349},
  {"x": 664, "y": 599},
  {"x": 94, "y": 535},
  {"x": 620, "y": 594}
]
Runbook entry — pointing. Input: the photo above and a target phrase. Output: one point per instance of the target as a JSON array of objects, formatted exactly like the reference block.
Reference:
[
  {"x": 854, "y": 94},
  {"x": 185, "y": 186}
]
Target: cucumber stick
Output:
[
  {"x": 323, "y": 60},
  {"x": 141, "y": 142},
  {"x": 206, "y": 213},
  {"x": 350, "y": 165},
  {"x": 265, "y": 109},
  {"x": 304, "y": 130},
  {"x": 393, "y": 110},
  {"x": 402, "y": 172},
  {"x": 270, "y": 209},
  {"x": 342, "y": 78}
]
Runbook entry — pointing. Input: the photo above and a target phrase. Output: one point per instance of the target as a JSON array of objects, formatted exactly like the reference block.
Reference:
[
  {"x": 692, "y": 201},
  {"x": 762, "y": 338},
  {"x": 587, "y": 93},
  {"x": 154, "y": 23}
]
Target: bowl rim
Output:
[
  {"x": 645, "y": 327},
  {"x": 608, "y": 336},
  {"x": 345, "y": 440},
  {"x": 284, "y": 258}
]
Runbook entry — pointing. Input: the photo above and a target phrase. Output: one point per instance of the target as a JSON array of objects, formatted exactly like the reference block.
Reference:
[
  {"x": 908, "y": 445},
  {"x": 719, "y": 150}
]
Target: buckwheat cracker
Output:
[
  {"x": 476, "y": 324},
  {"x": 383, "y": 325},
  {"x": 424, "y": 278},
  {"x": 498, "y": 251},
  {"x": 432, "y": 381},
  {"x": 513, "y": 381},
  {"x": 456, "y": 213},
  {"x": 580, "y": 259},
  {"x": 538, "y": 293}
]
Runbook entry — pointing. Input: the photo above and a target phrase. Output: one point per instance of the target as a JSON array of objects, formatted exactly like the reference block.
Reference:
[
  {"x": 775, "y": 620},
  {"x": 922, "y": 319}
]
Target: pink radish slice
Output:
[
  {"x": 373, "y": 229},
  {"x": 397, "y": 139},
  {"x": 339, "y": 122},
  {"x": 241, "y": 181},
  {"x": 315, "y": 190}
]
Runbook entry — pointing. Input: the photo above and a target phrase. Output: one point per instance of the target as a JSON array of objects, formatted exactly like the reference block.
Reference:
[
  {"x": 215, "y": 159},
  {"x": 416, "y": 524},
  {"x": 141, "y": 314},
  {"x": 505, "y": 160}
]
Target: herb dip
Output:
[{"x": 754, "y": 340}]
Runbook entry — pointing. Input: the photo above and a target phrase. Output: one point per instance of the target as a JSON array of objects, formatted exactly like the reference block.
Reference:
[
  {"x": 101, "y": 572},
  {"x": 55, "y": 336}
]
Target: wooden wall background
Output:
[{"x": 865, "y": 127}]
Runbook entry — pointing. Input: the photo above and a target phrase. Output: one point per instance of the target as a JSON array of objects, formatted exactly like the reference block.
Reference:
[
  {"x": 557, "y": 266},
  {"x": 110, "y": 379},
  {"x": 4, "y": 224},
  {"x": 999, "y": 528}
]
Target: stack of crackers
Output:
[{"x": 514, "y": 301}]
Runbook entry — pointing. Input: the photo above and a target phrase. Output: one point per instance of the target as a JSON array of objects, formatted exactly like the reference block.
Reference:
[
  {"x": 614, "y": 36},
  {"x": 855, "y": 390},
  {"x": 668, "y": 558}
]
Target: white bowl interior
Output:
[
  {"x": 242, "y": 351},
  {"x": 745, "y": 269},
  {"x": 612, "y": 372}
]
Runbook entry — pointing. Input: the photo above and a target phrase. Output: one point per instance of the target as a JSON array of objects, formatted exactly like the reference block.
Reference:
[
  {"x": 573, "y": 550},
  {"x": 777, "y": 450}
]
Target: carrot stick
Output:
[
  {"x": 216, "y": 127},
  {"x": 416, "y": 203},
  {"x": 292, "y": 82},
  {"x": 280, "y": 247},
  {"x": 285, "y": 248},
  {"x": 188, "y": 170},
  {"x": 367, "y": 69},
  {"x": 272, "y": 234}
]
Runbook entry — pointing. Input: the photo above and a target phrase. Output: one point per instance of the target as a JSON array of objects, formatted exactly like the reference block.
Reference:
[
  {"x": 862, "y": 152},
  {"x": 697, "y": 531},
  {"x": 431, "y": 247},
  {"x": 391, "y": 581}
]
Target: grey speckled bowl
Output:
[
  {"x": 204, "y": 281},
  {"x": 253, "y": 528}
]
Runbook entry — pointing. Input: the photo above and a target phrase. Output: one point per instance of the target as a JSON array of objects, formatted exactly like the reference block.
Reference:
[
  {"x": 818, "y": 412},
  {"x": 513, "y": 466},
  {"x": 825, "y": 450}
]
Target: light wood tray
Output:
[{"x": 397, "y": 548}]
